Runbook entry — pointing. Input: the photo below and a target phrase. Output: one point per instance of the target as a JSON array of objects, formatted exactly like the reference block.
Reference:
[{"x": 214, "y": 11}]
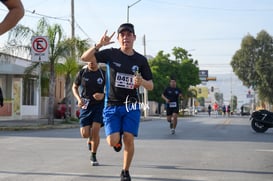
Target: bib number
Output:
[
  {"x": 124, "y": 81},
  {"x": 86, "y": 102},
  {"x": 172, "y": 104}
]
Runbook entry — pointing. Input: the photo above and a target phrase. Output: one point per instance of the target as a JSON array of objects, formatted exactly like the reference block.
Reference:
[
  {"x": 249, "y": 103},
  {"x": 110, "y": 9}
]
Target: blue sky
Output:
[{"x": 211, "y": 30}]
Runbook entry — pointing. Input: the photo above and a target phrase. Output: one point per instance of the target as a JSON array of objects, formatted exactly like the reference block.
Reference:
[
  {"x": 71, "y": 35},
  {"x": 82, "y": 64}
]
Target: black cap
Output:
[{"x": 126, "y": 26}]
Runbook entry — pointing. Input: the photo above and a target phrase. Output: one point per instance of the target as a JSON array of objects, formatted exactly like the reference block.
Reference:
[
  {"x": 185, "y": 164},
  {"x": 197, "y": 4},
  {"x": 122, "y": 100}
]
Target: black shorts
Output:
[
  {"x": 170, "y": 111},
  {"x": 93, "y": 113}
]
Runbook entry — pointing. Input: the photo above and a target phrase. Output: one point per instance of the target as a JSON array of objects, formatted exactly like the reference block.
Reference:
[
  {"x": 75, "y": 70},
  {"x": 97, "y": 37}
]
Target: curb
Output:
[
  {"x": 38, "y": 127},
  {"x": 42, "y": 126}
]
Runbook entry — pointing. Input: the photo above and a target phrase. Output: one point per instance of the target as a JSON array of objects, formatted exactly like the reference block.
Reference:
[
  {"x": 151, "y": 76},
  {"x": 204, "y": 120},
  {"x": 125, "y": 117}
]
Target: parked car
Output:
[{"x": 61, "y": 109}]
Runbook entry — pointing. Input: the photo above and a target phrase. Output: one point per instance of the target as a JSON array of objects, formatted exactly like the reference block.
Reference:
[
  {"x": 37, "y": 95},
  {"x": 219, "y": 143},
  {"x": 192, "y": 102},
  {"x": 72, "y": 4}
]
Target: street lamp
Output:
[{"x": 128, "y": 7}]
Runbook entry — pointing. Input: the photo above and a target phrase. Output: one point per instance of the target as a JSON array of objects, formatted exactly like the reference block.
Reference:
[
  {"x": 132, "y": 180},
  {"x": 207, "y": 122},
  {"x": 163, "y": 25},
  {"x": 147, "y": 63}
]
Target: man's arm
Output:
[
  {"x": 89, "y": 54},
  {"x": 165, "y": 98},
  {"x": 16, "y": 12},
  {"x": 147, "y": 84},
  {"x": 76, "y": 94}
]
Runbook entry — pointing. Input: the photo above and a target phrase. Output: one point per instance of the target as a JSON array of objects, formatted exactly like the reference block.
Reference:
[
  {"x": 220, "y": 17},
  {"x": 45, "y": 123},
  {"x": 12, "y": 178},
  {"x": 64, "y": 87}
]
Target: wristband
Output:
[{"x": 97, "y": 49}]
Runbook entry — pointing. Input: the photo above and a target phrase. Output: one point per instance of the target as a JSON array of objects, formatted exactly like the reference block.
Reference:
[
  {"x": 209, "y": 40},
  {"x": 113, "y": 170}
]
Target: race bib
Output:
[
  {"x": 172, "y": 104},
  {"x": 124, "y": 81},
  {"x": 86, "y": 102}
]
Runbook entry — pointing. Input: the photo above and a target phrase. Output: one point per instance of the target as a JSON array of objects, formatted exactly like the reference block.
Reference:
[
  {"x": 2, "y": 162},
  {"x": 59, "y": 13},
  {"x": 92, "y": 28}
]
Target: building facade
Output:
[{"x": 21, "y": 97}]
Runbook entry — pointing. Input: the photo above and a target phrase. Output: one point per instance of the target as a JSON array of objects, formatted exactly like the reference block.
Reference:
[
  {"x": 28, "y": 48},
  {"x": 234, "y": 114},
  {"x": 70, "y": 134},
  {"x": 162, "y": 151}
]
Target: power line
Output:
[
  {"x": 213, "y": 8},
  {"x": 34, "y": 14},
  {"x": 84, "y": 32}
]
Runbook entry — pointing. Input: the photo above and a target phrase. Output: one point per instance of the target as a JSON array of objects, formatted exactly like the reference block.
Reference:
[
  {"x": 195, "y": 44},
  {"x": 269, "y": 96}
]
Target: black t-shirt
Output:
[
  {"x": 122, "y": 70},
  {"x": 172, "y": 94},
  {"x": 90, "y": 82}
]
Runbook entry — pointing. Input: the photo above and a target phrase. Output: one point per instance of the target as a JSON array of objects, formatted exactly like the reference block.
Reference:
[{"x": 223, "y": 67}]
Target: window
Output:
[{"x": 29, "y": 93}]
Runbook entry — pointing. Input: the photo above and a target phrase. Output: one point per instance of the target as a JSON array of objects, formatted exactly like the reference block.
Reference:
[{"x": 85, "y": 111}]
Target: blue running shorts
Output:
[
  {"x": 124, "y": 118},
  {"x": 93, "y": 113}
]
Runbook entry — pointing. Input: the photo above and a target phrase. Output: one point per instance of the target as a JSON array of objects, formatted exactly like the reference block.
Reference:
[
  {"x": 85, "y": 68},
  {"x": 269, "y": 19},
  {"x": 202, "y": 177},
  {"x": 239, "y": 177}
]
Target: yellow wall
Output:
[{"x": 202, "y": 91}]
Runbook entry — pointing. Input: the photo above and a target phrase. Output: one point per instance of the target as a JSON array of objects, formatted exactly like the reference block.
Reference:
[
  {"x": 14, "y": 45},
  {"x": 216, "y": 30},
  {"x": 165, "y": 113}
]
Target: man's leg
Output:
[
  {"x": 95, "y": 140},
  {"x": 174, "y": 120},
  {"x": 85, "y": 131},
  {"x": 169, "y": 119},
  {"x": 95, "y": 135},
  {"x": 113, "y": 139},
  {"x": 129, "y": 149}
]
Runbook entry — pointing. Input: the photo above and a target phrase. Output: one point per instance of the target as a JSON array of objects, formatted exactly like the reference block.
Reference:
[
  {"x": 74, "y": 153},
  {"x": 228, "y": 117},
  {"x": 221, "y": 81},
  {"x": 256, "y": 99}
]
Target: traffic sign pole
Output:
[
  {"x": 39, "y": 49},
  {"x": 39, "y": 53}
]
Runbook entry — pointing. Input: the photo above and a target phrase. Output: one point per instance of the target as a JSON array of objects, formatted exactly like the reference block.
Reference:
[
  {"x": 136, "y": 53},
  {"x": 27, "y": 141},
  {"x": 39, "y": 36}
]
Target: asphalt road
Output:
[{"x": 203, "y": 149}]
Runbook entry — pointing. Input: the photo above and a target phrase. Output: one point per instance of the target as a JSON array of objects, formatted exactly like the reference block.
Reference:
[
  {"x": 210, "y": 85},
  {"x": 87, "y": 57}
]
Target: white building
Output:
[{"x": 21, "y": 99}]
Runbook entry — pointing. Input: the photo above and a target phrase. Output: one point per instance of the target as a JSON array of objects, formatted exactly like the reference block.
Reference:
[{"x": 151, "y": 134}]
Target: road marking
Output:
[
  {"x": 227, "y": 121},
  {"x": 265, "y": 150},
  {"x": 222, "y": 124}
]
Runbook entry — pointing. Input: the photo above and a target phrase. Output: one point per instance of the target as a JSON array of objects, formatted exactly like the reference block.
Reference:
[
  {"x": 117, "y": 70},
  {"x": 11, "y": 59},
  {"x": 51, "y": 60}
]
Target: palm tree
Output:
[
  {"x": 73, "y": 48},
  {"x": 57, "y": 49}
]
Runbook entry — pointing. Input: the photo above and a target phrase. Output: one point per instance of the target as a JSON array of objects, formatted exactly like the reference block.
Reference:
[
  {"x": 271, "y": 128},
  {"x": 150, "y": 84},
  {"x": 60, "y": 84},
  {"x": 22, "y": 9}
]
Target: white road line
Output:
[{"x": 264, "y": 150}]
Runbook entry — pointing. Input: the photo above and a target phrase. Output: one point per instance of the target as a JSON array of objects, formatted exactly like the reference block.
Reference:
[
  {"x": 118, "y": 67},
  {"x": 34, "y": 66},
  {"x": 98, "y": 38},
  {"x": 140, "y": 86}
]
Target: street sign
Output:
[
  {"x": 203, "y": 74},
  {"x": 211, "y": 78},
  {"x": 39, "y": 49},
  {"x": 203, "y": 78}
]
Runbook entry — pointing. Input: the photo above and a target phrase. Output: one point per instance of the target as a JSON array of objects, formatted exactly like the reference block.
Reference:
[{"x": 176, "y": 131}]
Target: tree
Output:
[
  {"x": 219, "y": 97},
  {"x": 183, "y": 69},
  {"x": 159, "y": 64},
  {"x": 253, "y": 64},
  {"x": 201, "y": 101},
  {"x": 264, "y": 66},
  {"x": 70, "y": 67},
  {"x": 233, "y": 103},
  {"x": 21, "y": 36}
]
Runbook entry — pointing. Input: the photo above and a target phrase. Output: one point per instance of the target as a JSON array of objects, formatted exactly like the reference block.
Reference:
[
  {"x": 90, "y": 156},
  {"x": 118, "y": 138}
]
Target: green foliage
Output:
[
  {"x": 219, "y": 97},
  {"x": 253, "y": 64},
  {"x": 59, "y": 49},
  {"x": 234, "y": 101},
  {"x": 201, "y": 100},
  {"x": 183, "y": 69}
]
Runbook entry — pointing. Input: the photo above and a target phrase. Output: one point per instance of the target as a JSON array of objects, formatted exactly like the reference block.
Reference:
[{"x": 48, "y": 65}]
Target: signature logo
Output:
[{"x": 131, "y": 104}]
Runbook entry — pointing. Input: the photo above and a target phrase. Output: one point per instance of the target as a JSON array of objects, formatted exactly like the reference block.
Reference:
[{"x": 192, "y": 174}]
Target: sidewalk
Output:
[{"x": 32, "y": 124}]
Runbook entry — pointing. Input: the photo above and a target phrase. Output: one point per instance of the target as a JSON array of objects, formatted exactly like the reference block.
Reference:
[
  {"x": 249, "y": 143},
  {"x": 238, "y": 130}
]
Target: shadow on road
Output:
[{"x": 46, "y": 174}]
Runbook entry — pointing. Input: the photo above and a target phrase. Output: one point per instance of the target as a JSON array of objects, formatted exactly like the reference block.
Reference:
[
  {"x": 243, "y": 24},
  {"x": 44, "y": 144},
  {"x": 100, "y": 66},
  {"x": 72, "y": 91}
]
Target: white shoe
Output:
[{"x": 172, "y": 131}]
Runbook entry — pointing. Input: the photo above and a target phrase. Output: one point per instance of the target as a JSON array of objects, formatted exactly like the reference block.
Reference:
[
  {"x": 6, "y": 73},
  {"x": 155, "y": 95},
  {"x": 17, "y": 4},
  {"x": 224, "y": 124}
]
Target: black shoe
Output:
[
  {"x": 118, "y": 146},
  {"x": 125, "y": 176},
  {"x": 94, "y": 161}
]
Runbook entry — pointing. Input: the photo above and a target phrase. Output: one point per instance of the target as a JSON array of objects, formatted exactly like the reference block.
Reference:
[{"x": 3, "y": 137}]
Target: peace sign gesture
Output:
[{"x": 105, "y": 39}]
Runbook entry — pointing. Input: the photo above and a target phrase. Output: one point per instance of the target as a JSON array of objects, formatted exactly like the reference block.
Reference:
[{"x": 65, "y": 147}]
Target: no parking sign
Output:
[{"x": 39, "y": 49}]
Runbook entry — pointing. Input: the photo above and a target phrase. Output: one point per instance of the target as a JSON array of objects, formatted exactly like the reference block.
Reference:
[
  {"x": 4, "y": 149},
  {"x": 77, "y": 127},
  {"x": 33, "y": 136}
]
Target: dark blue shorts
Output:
[
  {"x": 93, "y": 113},
  {"x": 125, "y": 118},
  {"x": 170, "y": 111}
]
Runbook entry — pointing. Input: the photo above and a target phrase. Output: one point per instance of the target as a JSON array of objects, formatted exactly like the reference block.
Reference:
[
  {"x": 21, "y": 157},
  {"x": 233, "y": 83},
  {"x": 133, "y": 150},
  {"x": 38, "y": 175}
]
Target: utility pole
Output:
[
  {"x": 73, "y": 53},
  {"x": 144, "y": 44},
  {"x": 145, "y": 92},
  {"x": 128, "y": 7},
  {"x": 72, "y": 20}
]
